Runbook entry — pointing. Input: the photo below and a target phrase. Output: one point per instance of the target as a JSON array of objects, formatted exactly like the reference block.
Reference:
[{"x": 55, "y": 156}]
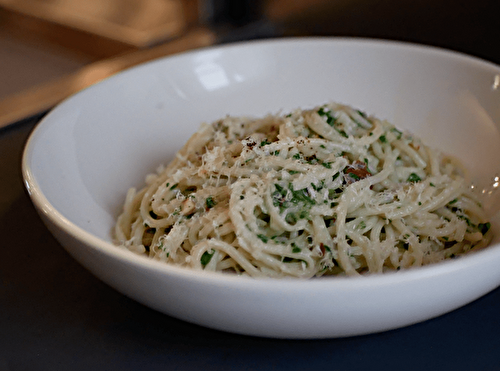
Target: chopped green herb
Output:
[
  {"x": 282, "y": 191},
  {"x": 330, "y": 119},
  {"x": 206, "y": 257},
  {"x": 174, "y": 186},
  {"x": 484, "y": 227},
  {"x": 361, "y": 113},
  {"x": 383, "y": 139},
  {"x": 343, "y": 133},
  {"x": 291, "y": 218},
  {"x": 301, "y": 195},
  {"x": 264, "y": 142},
  {"x": 413, "y": 178},
  {"x": 263, "y": 238},
  {"x": 397, "y": 133},
  {"x": 354, "y": 176},
  {"x": 467, "y": 220},
  {"x": 296, "y": 156},
  {"x": 209, "y": 202},
  {"x": 453, "y": 201}
]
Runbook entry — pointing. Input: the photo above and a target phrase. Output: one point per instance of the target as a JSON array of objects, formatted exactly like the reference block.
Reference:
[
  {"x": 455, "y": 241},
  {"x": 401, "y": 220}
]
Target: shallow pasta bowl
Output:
[{"x": 85, "y": 154}]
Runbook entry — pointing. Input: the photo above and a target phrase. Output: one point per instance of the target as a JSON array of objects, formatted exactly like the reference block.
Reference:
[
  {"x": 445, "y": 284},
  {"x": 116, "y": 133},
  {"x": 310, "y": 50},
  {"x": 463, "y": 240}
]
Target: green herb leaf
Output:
[
  {"x": 206, "y": 257},
  {"x": 354, "y": 176},
  {"x": 397, "y": 133},
  {"x": 484, "y": 227},
  {"x": 361, "y": 113},
  {"x": 343, "y": 133},
  {"x": 330, "y": 119},
  {"x": 263, "y": 238},
  {"x": 291, "y": 218},
  {"x": 413, "y": 178},
  {"x": 209, "y": 202}
]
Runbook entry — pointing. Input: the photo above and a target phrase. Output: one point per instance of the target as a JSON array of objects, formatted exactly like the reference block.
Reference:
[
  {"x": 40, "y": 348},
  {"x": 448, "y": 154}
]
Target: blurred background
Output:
[{"x": 52, "y": 48}]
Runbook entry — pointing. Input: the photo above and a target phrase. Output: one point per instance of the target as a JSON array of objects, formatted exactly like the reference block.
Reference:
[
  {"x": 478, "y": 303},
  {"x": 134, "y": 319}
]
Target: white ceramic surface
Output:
[{"x": 84, "y": 155}]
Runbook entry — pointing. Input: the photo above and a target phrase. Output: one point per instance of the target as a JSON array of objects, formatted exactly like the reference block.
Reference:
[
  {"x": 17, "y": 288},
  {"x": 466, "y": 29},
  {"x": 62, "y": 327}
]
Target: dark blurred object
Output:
[
  {"x": 233, "y": 13},
  {"x": 235, "y": 20},
  {"x": 467, "y": 26}
]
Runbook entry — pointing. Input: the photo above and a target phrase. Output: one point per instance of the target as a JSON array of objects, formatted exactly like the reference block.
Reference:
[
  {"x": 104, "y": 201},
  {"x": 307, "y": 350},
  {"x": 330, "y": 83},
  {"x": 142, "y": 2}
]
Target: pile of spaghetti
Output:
[{"x": 326, "y": 191}]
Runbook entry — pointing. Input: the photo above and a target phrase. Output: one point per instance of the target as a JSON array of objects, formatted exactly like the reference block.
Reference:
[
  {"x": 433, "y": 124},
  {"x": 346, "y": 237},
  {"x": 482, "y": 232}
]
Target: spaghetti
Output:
[{"x": 325, "y": 191}]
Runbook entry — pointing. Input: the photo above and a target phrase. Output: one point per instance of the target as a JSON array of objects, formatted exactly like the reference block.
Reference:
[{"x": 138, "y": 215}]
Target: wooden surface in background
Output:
[
  {"x": 43, "y": 97},
  {"x": 138, "y": 23}
]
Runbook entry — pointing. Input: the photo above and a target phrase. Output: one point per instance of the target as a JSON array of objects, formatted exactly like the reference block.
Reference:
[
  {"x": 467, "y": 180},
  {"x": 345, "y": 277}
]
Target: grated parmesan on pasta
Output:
[{"x": 326, "y": 191}]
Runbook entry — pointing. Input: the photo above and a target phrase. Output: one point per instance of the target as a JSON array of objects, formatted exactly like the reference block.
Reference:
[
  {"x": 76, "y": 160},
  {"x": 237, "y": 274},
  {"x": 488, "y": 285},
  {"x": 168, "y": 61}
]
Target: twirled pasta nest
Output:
[{"x": 325, "y": 191}]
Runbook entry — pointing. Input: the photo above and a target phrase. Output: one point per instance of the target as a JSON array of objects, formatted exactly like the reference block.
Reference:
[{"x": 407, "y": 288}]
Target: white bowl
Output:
[{"x": 84, "y": 155}]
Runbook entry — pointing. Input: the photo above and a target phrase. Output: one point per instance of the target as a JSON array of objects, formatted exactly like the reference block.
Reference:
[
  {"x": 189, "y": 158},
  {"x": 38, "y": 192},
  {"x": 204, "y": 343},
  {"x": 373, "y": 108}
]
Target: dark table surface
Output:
[{"x": 54, "y": 315}]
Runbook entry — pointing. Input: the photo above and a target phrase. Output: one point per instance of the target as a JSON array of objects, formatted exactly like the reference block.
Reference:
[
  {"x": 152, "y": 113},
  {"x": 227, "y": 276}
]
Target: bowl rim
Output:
[{"x": 43, "y": 205}]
